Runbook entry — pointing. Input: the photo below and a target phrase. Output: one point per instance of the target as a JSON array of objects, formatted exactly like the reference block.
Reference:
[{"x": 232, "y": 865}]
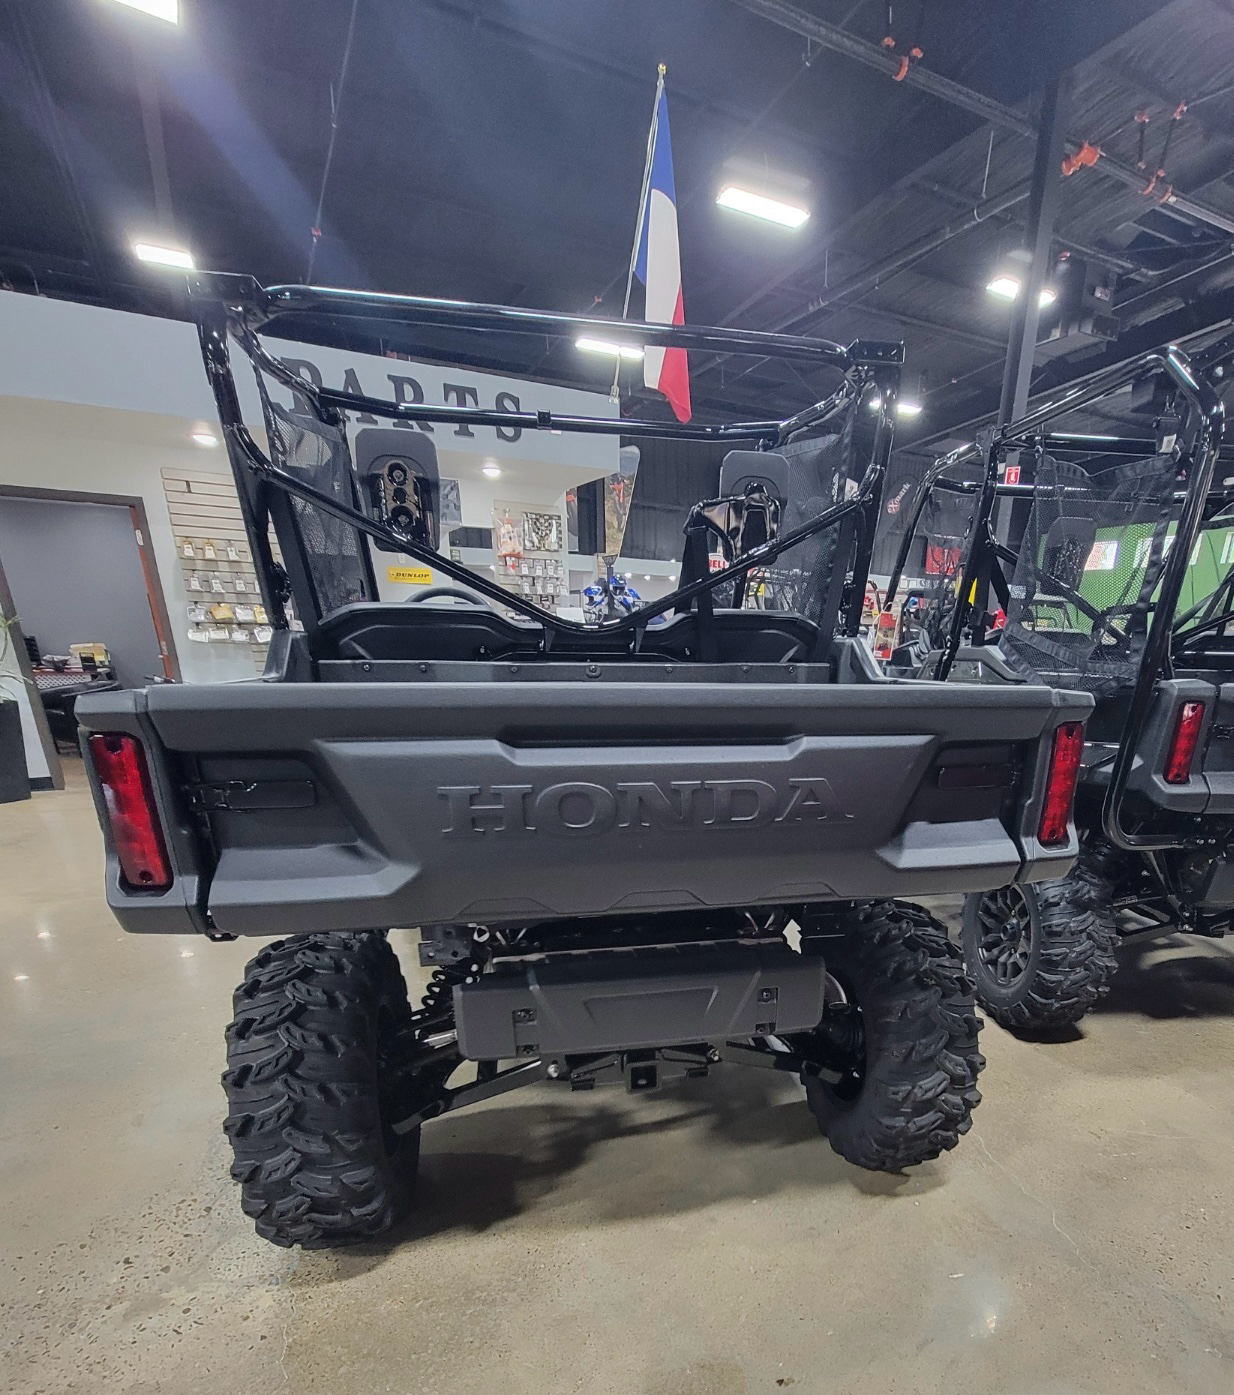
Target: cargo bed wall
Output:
[{"x": 339, "y": 806}]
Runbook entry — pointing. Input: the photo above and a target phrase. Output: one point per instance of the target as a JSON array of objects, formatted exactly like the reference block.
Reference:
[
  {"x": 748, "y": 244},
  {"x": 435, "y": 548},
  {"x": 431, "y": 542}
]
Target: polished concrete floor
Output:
[{"x": 700, "y": 1242}]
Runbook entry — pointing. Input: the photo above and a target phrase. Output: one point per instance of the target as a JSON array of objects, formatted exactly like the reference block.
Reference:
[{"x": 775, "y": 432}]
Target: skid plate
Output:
[{"x": 624, "y": 1000}]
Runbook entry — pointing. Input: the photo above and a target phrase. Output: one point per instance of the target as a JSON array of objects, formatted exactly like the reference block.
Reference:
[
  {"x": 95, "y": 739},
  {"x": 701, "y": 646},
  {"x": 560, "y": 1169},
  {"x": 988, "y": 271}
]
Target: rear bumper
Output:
[{"x": 515, "y": 802}]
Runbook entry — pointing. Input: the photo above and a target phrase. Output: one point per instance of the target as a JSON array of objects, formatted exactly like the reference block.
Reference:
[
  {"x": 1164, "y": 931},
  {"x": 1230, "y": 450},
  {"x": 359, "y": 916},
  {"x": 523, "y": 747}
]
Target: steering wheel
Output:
[{"x": 454, "y": 593}]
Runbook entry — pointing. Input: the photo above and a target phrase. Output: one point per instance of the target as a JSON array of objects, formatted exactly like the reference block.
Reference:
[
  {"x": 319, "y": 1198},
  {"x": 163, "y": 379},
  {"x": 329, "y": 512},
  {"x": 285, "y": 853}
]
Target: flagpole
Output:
[{"x": 615, "y": 391}]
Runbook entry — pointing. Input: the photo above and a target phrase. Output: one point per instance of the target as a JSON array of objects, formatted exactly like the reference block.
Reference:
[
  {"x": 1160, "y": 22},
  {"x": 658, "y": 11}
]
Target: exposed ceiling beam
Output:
[
  {"x": 808, "y": 26},
  {"x": 961, "y": 336},
  {"x": 1189, "y": 323},
  {"x": 587, "y": 59},
  {"x": 896, "y": 261}
]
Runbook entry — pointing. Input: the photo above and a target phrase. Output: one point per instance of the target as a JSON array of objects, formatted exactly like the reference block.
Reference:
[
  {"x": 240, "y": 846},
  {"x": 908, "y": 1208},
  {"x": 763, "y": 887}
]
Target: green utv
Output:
[
  {"x": 632, "y": 849},
  {"x": 1119, "y": 583}
]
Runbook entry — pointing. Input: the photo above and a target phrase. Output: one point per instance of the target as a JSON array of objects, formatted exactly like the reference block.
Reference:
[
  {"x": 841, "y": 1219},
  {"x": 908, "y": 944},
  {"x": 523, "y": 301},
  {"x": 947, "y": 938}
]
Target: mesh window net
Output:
[
  {"x": 822, "y": 471},
  {"x": 946, "y": 528},
  {"x": 318, "y": 454},
  {"x": 1089, "y": 564},
  {"x": 824, "y": 468}
]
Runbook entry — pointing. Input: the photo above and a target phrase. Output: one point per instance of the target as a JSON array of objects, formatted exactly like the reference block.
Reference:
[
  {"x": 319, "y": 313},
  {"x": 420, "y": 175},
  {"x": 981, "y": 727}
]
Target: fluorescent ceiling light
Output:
[
  {"x": 163, "y": 256},
  {"x": 205, "y": 438},
  {"x": 1008, "y": 287},
  {"x": 788, "y": 215},
  {"x": 908, "y": 408},
  {"x": 491, "y": 471},
  {"x": 160, "y": 9},
  {"x": 606, "y": 346}
]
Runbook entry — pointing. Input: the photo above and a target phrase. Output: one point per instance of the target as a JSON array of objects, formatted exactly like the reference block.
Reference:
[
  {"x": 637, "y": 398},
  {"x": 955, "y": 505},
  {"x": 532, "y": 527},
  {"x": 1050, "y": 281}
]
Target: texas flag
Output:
[{"x": 659, "y": 269}]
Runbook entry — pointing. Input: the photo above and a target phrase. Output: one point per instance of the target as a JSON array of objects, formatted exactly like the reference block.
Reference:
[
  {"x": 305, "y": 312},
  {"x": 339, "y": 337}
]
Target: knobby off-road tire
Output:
[
  {"x": 1056, "y": 958},
  {"x": 317, "y": 1161},
  {"x": 912, "y": 1092}
]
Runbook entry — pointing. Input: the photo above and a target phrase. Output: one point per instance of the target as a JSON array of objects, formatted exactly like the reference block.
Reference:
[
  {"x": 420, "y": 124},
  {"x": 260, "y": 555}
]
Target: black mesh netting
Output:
[
  {"x": 318, "y": 454},
  {"x": 822, "y": 473},
  {"x": 945, "y": 530},
  {"x": 1089, "y": 562}
]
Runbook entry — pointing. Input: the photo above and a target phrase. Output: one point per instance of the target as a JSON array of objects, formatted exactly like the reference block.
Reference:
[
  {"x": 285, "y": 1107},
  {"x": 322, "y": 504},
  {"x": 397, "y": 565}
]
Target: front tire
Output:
[
  {"x": 316, "y": 1020},
  {"x": 902, "y": 1027},
  {"x": 1042, "y": 954}
]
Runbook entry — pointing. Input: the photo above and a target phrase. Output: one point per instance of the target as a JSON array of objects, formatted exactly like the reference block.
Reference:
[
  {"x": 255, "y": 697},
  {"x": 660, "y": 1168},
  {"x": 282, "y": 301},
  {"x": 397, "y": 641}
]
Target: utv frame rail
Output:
[
  {"x": 1199, "y": 439},
  {"x": 228, "y": 307}
]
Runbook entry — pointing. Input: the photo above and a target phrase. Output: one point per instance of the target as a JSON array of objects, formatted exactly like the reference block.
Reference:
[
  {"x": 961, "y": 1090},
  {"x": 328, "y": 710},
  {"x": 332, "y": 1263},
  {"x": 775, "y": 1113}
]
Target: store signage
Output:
[
  {"x": 410, "y": 576},
  {"x": 407, "y": 391}
]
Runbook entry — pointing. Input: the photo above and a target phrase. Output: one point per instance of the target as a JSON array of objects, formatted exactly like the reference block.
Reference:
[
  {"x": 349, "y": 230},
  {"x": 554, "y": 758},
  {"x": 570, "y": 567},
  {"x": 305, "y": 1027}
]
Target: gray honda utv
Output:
[
  {"x": 1118, "y": 581},
  {"x": 632, "y": 849}
]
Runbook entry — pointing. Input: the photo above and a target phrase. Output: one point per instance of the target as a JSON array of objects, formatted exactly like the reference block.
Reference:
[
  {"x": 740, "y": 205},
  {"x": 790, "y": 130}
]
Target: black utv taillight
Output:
[
  {"x": 1060, "y": 783},
  {"x": 135, "y": 829},
  {"x": 1183, "y": 743}
]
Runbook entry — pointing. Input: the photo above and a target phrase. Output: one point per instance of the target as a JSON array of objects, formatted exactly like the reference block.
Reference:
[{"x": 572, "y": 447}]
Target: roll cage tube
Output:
[
  {"x": 1160, "y": 632},
  {"x": 1199, "y": 392},
  {"x": 228, "y": 306}
]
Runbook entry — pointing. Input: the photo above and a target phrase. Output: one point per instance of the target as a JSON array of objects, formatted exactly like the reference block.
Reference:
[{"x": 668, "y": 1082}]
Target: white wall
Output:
[
  {"x": 98, "y": 401},
  {"x": 97, "y": 450}
]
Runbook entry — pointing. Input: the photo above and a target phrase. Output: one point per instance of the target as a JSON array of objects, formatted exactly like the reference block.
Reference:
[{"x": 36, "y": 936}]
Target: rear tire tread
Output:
[
  {"x": 921, "y": 1026},
  {"x": 304, "y": 1118}
]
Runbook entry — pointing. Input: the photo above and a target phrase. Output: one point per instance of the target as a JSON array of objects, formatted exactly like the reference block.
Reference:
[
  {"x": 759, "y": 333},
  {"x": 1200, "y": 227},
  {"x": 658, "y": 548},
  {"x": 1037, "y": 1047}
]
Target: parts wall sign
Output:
[
  {"x": 62, "y": 351},
  {"x": 412, "y": 384}
]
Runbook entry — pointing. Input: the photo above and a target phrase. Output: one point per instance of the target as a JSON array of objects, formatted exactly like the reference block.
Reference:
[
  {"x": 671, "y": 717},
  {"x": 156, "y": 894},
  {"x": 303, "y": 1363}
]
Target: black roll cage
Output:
[
  {"x": 227, "y": 306},
  {"x": 1206, "y": 414}
]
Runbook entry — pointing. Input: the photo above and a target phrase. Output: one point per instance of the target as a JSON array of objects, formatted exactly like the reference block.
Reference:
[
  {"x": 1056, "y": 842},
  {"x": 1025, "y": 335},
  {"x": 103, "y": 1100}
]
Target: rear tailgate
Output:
[{"x": 296, "y": 807}]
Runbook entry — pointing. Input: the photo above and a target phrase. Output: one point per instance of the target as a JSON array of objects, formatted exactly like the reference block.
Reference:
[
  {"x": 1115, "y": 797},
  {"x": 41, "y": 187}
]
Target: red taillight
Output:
[
  {"x": 1060, "y": 783},
  {"x": 135, "y": 830},
  {"x": 1183, "y": 744}
]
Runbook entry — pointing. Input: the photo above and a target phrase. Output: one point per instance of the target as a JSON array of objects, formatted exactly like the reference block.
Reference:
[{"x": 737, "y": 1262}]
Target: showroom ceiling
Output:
[{"x": 493, "y": 151}]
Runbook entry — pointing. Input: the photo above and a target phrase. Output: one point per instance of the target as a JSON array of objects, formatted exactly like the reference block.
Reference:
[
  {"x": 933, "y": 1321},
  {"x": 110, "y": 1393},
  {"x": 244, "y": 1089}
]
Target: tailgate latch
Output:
[{"x": 242, "y": 796}]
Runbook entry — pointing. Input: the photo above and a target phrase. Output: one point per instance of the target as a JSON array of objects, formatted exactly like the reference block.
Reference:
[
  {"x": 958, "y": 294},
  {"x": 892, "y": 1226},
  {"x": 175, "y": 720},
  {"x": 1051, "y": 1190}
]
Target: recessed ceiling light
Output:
[
  {"x": 490, "y": 470},
  {"x": 21, "y": 978},
  {"x": 160, "y": 9},
  {"x": 44, "y": 934},
  {"x": 629, "y": 576},
  {"x": 605, "y": 346},
  {"x": 1047, "y": 297},
  {"x": 876, "y": 403},
  {"x": 787, "y": 215},
  {"x": 646, "y": 577},
  {"x": 906, "y": 407},
  {"x": 163, "y": 256},
  {"x": 205, "y": 438}
]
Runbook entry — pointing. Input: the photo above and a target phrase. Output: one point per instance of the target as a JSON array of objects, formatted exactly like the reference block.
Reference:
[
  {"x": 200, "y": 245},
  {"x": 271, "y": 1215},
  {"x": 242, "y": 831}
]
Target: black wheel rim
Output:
[{"x": 1004, "y": 935}]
